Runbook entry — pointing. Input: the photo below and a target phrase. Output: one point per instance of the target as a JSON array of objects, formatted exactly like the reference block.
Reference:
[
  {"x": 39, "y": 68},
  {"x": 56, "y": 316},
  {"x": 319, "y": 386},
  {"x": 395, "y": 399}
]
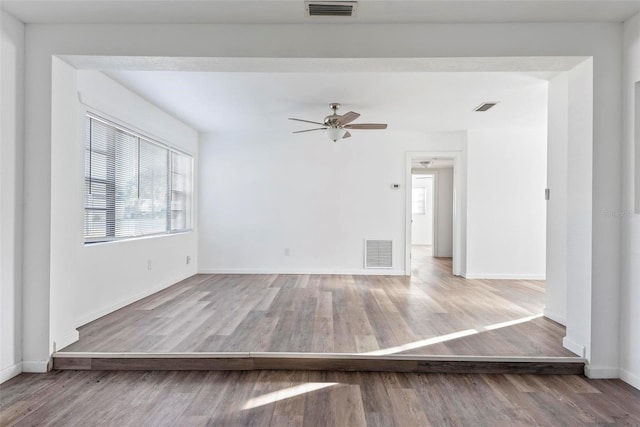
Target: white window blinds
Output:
[{"x": 133, "y": 186}]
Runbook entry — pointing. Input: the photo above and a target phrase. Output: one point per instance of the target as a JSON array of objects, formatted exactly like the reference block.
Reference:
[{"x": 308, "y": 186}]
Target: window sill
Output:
[{"x": 136, "y": 238}]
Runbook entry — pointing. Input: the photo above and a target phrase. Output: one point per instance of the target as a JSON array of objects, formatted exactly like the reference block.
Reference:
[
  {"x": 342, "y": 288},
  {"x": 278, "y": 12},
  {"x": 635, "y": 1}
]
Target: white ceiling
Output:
[
  {"x": 292, "y": 11},
  {"x": 222, "y": 102},
  {"x": 436, "y": 163}
]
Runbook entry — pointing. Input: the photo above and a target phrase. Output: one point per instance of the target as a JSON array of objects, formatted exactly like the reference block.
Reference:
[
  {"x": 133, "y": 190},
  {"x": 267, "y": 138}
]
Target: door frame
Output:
[{"x": 459, "y": 231}]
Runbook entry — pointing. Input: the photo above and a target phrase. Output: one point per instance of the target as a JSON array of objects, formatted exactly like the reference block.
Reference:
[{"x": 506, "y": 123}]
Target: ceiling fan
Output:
[{"x": 337, "y": 126}]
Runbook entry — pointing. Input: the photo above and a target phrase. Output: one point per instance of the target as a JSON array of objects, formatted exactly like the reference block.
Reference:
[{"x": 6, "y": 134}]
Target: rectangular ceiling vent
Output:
[
  {"x": 485, "y": 106},
  {"x": 330, "y": 8},
  {"x": 378, "y": 254}
]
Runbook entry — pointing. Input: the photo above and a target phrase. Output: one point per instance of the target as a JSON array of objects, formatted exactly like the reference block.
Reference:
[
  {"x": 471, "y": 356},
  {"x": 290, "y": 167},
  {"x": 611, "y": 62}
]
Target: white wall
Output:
[
  {"x": 630, "y": 253},
  {"x": 317, "y": 198},
  {"x": 600, "y": 41},
  {"x": 556, "y": 260},
  {"x": 506, "y": 176},
  {"x": 88, "y": 281},
  {"x": 444, "y": 213},
  {"x": 422, "y": 224},
  {"x": 11, "y": 152},
  {"x": 581, "y": 242}
]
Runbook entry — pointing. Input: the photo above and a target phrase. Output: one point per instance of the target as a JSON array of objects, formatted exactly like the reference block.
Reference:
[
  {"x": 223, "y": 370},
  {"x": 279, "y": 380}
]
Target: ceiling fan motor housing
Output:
[{"x": 333, "y": 119}]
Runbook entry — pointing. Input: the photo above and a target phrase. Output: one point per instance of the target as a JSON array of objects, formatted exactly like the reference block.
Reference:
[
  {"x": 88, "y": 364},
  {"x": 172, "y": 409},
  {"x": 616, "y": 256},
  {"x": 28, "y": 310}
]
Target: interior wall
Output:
[
  {"x": 67, "y": 196},
  {"x": 88, "y": 281},
  {"x": 11, "y": 159},
  {"x": 506, "y": 175},
  {"x": 317, "y": 198},
  {"x": 581, "y": 243},
  {"x": 602, "y": 41},
  {"x": 630, "y": 222},
  {"x": 422, "y": 224},
  {"x": 556, "y": 260},
  {"x": 444, "y": 216}
]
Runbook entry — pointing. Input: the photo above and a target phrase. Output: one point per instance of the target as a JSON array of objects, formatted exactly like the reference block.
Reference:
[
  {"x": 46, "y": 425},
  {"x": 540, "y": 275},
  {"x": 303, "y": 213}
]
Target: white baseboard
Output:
[
  {"x": 35, "y": 367},
  {"x": 573, "y": 346},
  {"x": 357, "y": 272},
  {"x": 601, "y": 372},
  {"x": 629, "y": 378},
  {"x": 83, "y": 320},
  {"x": 10, "y": 372},
  {"x": 555, "y": 317},
  {"x": 506, "y": 276}
]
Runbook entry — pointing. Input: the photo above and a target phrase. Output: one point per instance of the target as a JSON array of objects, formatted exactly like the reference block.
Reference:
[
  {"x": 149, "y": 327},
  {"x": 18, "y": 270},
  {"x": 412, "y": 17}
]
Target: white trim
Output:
[
  {"x": 605, "y": 372},
  {"x": 38, "y": 367},
  {"x": 129, "y": 300},
  {"x": 506, "y": 276},
  {"x": 554, "y": 316},
  {"x": 573, "y": 346},
  {"x": 10, "y": 372},
  {"x": 351, "y": 272},
  {"x": 629, "y": 378},
  {"x": 457, "y": 206}
]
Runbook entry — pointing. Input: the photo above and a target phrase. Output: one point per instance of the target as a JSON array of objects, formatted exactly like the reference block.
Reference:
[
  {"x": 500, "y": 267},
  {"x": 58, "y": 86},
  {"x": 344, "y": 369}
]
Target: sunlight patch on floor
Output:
[
  {"x": 510, "y": 322},
  {"x": 286, "y": 393},
  {"x": 448, "y": 337}
]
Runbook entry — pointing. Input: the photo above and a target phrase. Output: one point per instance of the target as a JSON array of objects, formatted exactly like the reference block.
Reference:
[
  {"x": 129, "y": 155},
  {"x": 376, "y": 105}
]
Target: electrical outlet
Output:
[
  {"x": 286, "y": 251},
  {"x": 188, "y": 259},
  {"x": 149, "y": 265}
]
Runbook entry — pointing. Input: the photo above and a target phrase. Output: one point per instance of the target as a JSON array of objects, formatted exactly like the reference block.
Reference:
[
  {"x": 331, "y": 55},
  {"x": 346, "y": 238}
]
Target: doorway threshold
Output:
[{"x": 250, "y": 361}]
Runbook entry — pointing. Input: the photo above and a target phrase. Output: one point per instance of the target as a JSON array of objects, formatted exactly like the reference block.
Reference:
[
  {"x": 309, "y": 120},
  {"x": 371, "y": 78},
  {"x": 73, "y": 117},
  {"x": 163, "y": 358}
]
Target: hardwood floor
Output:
[
  {"x": 431, "y": 313},
  {"x": 297, "y": 398}
]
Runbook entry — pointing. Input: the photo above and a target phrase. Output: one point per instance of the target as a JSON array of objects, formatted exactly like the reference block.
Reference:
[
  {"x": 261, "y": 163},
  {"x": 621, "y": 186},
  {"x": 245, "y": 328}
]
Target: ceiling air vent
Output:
[
  {"x": 330, "y": 8},
  {"x": 485, "y": 106}
]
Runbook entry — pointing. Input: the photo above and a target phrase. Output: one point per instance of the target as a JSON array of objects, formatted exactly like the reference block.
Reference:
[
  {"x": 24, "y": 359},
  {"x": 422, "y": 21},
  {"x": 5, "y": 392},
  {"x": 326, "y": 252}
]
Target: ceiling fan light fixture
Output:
[
  {"x": 336, "y": 133},
  {"x": 339, "y": 125}
]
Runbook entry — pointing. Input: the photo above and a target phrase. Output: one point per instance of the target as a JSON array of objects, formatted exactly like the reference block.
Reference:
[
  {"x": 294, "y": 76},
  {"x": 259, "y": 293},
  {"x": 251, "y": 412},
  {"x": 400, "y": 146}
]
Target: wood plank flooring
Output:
[
  {"x": 431, "y": 313},
  {"x": 296, "y": 398}
]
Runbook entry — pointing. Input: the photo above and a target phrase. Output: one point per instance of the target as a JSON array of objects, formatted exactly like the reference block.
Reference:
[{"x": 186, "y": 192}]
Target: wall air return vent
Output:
[
  {"x": 330, "y": 8},
  {"x": 485, "y": 106},
  {"x": 378, "y": 254}
]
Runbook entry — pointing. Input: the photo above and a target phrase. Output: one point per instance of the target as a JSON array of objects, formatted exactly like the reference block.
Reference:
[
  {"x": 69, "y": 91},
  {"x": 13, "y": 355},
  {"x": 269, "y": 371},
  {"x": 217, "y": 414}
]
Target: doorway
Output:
[
  {"x": 432, "y": 224},
  {"x": 423, "y": 214}
]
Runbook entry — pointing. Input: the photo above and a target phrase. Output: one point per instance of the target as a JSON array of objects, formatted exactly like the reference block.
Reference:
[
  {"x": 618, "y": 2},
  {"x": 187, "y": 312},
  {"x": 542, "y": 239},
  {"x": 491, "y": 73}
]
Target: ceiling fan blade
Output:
[
  {"x": 366, "y": 126},
  {"x": 348, "y": 117},
  {"x": 307, "y": 121},
  {"x": 346, "y": 135},
  {"x": 308, "y": 130}
]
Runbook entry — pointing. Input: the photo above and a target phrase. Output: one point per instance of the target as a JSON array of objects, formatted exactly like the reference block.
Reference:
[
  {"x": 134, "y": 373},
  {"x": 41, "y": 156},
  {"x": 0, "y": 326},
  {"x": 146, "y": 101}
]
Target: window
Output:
[{"x": 133, "y": 186}]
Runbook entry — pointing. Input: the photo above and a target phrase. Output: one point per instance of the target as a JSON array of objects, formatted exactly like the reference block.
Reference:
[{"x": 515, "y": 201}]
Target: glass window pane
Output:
[{"x": 133, "y": 187}]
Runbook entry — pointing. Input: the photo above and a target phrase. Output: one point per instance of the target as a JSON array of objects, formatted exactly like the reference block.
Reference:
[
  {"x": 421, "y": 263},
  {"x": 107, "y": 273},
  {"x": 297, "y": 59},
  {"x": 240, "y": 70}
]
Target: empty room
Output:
[{"x": 286, "y": 211}]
